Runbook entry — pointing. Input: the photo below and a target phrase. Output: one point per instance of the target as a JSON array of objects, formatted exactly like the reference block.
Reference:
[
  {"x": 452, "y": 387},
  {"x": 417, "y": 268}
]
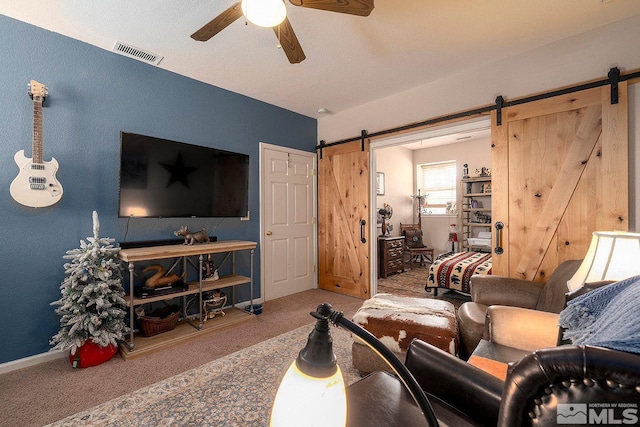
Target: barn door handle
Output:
[
  {"x": 362, "y": 224},
  {"x": 498, "y": 249}
]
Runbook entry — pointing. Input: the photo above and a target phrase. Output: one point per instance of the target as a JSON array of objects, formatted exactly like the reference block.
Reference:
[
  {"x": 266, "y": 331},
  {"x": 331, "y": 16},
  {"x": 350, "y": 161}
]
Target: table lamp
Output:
[
  {"x": 310, "y": 394},
  {"x": 611, "y": 256},
  {"x": 312, "y": 390}
]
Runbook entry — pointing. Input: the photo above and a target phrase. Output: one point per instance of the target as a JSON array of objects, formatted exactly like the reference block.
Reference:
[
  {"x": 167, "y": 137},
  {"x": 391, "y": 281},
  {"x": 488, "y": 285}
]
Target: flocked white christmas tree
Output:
[{"x": 92, "y": 304}]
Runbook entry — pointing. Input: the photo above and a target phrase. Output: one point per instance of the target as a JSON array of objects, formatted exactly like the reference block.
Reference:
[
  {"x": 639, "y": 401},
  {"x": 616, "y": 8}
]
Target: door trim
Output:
[{"x": 266, "y": 146}]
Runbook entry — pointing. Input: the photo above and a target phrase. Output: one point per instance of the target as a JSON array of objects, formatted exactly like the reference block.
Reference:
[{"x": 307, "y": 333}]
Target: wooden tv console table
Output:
[{"x": 186, "y": 329}]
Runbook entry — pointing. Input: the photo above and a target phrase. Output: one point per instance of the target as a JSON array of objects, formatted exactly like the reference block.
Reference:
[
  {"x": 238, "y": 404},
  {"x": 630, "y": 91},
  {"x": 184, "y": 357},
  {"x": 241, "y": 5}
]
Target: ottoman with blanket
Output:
[{"x": 396, "y": 321}]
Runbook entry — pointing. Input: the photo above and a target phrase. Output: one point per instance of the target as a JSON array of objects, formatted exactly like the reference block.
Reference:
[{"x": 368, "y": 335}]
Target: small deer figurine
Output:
[{"x": 191, "y": 238}]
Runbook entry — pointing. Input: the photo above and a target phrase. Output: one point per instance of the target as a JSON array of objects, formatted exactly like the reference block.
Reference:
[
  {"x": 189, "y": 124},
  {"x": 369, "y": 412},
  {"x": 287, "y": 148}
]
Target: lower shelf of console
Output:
[{"x": 183, "y": 331}]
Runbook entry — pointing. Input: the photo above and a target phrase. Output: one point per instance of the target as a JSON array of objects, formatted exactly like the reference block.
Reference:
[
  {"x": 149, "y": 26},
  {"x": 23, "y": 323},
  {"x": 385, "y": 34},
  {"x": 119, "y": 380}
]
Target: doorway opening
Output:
[{"x": 398, "y": 159}]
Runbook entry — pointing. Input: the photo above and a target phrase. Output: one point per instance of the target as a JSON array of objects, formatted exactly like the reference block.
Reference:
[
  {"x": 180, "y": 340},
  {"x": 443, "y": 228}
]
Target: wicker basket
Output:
[{"x": 159, "y": 321}]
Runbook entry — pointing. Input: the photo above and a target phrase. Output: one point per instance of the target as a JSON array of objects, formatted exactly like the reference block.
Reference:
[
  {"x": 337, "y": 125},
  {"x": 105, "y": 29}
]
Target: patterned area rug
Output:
[
  {"x": 235, "y": 390},
  {"x": 411, "y": 283}
]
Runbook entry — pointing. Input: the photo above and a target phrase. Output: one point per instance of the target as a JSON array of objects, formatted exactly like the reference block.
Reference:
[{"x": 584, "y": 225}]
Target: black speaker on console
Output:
[{"x": 162, "y": 242}]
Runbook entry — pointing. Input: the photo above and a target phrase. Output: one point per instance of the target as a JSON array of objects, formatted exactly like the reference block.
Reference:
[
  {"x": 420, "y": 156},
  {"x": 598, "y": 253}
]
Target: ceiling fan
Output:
[{"x": 286, "y": 37}]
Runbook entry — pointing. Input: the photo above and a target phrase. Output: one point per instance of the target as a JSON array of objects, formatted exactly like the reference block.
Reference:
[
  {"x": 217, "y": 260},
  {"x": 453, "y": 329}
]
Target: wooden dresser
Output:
[{"x": 390, "y": 255}]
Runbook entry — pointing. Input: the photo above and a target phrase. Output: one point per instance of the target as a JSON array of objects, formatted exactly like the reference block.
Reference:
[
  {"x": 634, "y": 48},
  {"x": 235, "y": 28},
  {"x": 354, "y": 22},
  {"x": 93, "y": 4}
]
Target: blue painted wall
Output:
[{"x": 94, "y": 94}]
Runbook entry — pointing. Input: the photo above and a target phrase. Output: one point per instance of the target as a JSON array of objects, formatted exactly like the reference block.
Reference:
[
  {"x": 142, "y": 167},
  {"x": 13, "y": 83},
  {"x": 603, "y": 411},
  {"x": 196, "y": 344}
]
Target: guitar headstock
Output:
[{"x": 37, "y": 91}]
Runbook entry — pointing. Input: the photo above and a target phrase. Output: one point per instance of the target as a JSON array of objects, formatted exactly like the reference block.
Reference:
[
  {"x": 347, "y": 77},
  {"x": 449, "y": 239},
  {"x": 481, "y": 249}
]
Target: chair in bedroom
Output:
[{"x": 414, "y": 246}]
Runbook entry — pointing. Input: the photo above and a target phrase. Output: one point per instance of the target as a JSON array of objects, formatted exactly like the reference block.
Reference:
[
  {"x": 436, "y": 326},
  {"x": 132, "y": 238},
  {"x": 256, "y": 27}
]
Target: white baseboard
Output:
[
  {"x": 36, "y": 359},
  {"x": 243, "y": 304}
]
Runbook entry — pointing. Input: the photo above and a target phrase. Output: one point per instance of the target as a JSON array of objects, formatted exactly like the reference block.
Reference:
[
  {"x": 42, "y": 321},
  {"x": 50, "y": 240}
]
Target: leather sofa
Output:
[
  {"x": 381, "y": 399},
  {"x": 545, "y": 387},
  {"x": 555, "y": 384},
  {"x": 511, "y": 294}
]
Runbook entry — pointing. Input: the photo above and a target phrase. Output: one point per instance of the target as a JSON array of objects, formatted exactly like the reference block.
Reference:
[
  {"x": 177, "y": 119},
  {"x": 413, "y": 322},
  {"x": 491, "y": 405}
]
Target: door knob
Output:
[{"x": 269, "y": 233}]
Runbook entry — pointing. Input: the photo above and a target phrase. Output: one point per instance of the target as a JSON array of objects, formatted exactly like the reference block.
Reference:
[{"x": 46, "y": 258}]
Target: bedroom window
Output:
[{"x": 438, "y": 182}]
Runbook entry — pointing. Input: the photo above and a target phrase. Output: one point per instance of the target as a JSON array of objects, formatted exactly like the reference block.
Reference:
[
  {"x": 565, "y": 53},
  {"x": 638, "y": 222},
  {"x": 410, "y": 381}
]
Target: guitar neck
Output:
[{"x": 36, "y": 148}]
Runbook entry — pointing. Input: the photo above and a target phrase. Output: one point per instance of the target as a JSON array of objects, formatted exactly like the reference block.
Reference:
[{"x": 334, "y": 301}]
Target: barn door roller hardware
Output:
[
  {"x": 499, "y": 106},
  {"x": 614, "y": 77},
  {"x": 363, "y": 136},
  {"x": 321, "y": 146}
]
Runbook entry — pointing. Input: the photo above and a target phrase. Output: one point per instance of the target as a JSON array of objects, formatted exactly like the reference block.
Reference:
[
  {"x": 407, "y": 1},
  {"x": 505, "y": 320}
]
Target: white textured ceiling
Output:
[{"x": 350, "y": 60}]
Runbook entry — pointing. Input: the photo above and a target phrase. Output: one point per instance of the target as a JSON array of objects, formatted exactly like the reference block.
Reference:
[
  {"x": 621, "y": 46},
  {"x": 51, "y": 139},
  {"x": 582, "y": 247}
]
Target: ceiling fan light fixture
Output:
[{"x": 264, "y": 13}]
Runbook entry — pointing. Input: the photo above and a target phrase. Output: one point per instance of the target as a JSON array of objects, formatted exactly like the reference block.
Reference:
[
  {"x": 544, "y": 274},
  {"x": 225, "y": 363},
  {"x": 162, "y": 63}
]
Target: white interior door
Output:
[{"x": 288, "y": 218}]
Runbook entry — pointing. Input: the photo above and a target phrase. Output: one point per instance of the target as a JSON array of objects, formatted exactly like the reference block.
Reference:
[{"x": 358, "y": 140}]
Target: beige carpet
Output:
[
  {"x": 50, "y": 391},
  {"x": 45, "y": 393},
  {"x": 234, "y": 391}
]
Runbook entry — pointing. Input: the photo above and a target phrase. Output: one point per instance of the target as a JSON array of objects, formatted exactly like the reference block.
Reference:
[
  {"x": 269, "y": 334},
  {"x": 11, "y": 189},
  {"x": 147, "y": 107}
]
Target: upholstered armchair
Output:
[
  {"x": 546, "y": 388},
  {"x": 516, "y": 299}
]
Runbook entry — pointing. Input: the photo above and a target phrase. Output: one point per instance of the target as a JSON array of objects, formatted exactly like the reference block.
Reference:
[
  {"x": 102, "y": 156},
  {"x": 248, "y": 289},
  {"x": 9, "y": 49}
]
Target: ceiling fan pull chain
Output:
[{"x": 279, "y": 46}]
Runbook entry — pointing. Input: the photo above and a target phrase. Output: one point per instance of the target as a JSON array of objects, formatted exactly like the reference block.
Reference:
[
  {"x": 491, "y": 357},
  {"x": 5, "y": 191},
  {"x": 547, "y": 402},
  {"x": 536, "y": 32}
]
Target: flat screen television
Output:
[{"x": 162, "y": 178}]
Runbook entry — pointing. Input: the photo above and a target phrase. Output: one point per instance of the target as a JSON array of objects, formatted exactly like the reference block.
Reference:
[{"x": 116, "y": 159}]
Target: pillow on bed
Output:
[{"x": 413, "y": 238}]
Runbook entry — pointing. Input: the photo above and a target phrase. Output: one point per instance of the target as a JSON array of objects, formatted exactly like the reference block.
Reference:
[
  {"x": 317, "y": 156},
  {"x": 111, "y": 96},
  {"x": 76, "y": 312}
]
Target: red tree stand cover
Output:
[{"x": 91, "y": 354}]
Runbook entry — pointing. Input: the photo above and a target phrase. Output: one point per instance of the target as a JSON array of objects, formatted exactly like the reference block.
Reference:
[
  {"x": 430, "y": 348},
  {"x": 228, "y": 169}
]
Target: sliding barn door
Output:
[
  {"x": 559, "y": 172},
  {"x": 343, "y": 213}
]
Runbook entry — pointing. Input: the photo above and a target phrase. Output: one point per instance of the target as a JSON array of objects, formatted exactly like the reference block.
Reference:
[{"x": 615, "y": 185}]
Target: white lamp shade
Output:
[
  {"x": 264, "y": 13},
  {"x": 611, "y": 256},
  {"x": 303, "y": 400}
]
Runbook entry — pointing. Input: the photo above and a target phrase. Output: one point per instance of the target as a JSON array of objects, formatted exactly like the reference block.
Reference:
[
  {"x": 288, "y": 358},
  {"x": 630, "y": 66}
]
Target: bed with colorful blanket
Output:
[{"x": 453, "y": 270}]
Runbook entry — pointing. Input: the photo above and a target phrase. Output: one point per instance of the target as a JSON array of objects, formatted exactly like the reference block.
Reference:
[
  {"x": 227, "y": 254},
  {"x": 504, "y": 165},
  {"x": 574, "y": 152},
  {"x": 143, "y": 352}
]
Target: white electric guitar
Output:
[{"x": 36, "y": 185}]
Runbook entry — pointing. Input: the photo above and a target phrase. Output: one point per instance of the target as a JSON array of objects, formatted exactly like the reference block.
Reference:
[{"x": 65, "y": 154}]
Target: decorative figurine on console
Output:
[
  {"x": 191, "y": 238},
  {"x": 209, "y": 270},
  {"x": 212, "y": 304},
  {"x": 159, "y": 279}
]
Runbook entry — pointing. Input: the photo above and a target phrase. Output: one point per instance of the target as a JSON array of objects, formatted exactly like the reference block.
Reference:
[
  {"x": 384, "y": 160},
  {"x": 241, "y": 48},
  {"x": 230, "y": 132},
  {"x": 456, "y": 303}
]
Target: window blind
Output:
[{"x": 438, "y": 182}]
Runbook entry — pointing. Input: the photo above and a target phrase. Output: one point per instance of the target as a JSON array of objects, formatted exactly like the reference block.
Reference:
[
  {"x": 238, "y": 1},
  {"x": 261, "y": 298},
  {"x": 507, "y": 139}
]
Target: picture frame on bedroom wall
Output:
[{"x": 379, "y": 183}]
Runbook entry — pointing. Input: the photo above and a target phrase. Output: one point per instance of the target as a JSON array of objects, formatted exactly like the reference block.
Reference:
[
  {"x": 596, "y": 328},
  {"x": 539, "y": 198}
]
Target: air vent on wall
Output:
[{"x": 139, "y": 54}]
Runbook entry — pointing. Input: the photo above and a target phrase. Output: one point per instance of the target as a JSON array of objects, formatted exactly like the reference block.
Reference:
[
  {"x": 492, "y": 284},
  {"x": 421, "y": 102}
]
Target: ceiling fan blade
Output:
[
  {"x": 289, "y": 42},
  {"x": 218, "y": 23},
  {"x": 351, "y": 7}
]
